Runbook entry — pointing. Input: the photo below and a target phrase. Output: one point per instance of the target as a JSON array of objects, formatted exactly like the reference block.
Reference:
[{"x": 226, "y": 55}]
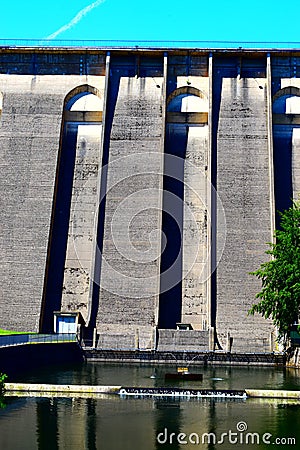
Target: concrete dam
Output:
[{"x": 139, "y": 189}]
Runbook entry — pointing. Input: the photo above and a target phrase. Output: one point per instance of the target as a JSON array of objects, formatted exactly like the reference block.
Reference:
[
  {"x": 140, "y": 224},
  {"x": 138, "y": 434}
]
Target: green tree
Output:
[
  {"x": 280, "y": 276},
  {"x": 3, "y": 377}
]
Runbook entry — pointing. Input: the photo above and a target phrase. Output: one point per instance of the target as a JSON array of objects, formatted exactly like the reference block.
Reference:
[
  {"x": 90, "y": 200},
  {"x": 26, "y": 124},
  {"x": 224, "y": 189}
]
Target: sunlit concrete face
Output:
[
  {"x": 83, "y": 211},
  {"x": 128, "y": 177}
]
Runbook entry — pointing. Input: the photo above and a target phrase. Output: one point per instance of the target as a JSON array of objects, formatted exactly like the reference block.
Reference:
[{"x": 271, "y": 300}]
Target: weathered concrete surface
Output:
[
  {"x": 195, "y": 268},
  {"x": 77, "y": 271},
  {"x": 243, "y": 186},
  {"x": 187, "y": 138},
  {"x": 30, "y": 130},
  {"x": 129, "y": 285},
  {"x": 272, "y": 393},
  {"x": 60, "y": 388},
  {"x": 145, "y": 391},
  {"x": 33, "y": 88},
  {"x": 180, "y": 340}
]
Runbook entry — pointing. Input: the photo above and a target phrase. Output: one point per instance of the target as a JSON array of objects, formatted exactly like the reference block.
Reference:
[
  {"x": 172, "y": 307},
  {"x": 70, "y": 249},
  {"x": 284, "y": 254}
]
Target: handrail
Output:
[
  {"x": 133, "y": 44},
  {"x": 22, "y": 339}
]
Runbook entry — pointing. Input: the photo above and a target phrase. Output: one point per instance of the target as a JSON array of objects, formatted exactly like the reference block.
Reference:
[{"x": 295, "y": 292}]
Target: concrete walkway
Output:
[{"x": 67, "y": 390}]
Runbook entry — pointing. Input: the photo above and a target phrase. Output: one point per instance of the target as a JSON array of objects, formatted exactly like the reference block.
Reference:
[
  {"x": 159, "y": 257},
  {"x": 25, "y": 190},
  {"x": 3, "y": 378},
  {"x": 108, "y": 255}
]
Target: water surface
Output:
[{"x": 113, "y": 423}]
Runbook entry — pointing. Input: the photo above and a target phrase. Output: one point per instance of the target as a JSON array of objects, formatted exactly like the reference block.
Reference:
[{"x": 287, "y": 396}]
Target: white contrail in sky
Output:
[{"x": 76, "y": 19}]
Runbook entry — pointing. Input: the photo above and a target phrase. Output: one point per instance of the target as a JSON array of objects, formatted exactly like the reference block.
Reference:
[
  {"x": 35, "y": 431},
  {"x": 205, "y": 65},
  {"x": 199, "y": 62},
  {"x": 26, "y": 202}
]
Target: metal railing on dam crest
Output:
[{"x": 149, "y": 44}]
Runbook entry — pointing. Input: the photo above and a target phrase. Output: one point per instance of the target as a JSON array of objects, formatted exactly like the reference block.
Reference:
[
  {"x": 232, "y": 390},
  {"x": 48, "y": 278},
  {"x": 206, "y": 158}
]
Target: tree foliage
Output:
[
  {"x": 3, "y": 377},
  {"x": 280, "y": 276}
]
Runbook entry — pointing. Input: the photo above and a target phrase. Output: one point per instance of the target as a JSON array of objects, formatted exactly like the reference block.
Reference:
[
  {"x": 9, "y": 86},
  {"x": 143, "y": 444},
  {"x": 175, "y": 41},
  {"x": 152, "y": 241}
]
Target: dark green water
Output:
[{"x": 113, "y": 423}]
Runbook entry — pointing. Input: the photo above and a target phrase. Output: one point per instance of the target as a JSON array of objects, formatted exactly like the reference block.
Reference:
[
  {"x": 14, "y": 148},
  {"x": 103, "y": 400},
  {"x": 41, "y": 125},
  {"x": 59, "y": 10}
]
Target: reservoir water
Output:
[{"x": 109, "y": 422}]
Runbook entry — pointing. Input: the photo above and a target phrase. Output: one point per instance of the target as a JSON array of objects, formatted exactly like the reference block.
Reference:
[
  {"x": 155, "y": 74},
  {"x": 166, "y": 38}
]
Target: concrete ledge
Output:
[
  {"x": 286, "y": 119},
  {"x": 272, "y": 393},
  {"x": 187, "y": 117},
  {"x": 184, "y": 357},
  {"x": 29, "y": 389},
  {"x": 83, "y": 116},
  {"x": 62, "y": 388}
]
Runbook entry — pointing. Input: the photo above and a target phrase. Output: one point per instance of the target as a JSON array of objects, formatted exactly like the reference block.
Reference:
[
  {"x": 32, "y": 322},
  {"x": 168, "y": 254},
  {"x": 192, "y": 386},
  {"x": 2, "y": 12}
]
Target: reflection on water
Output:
[{"x": 113, "y": 423}]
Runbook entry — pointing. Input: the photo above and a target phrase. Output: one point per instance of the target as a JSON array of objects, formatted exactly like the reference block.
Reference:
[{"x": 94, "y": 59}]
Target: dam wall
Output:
[
  {"x": 33, "y": 88},
  {"x": 133, "y": 149},
  {"x": 139, "y": 189},
  {"x": 243, "y": 183}
]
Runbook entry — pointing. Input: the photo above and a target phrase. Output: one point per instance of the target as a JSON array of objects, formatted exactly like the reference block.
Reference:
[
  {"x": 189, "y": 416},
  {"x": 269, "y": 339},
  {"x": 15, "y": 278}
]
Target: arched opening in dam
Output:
[
  {"x": 186, "y": 139},
  {"x": 286, "y": 136},
  {"x": 71, "y": 238}
]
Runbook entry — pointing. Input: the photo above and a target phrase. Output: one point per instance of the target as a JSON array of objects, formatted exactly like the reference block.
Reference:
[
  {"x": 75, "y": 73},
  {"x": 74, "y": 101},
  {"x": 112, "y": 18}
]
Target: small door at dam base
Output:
[{"x": 67, "y": 322}]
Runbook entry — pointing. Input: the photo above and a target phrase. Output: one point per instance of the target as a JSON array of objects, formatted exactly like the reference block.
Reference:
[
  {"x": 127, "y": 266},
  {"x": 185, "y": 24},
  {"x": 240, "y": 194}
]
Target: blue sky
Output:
[{"x": 156, "y": 20}]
